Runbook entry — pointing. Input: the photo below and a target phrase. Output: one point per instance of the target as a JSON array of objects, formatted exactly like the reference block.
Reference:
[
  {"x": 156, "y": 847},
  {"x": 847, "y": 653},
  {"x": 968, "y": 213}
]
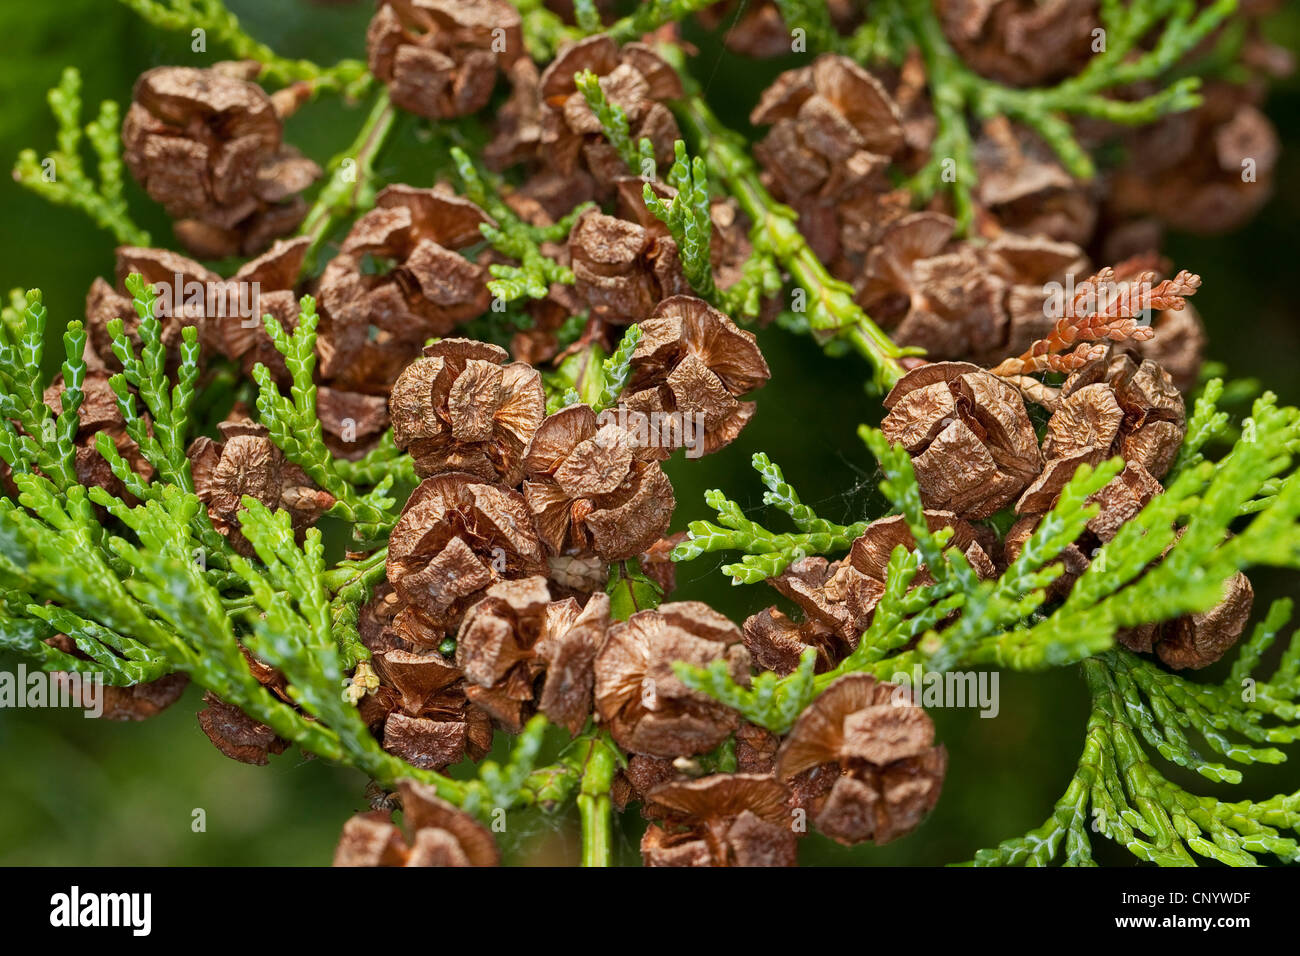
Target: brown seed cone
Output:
[
  {"x": 439, "y": 58},
  {"x": 776, "y": 642},
  {"x": 1023, "y": 187},
  {"x": 461, "y": 408},
  {"x": 1112, "y": 406},
  {"x": 972, "y": 445},
  {"x": 891, "y": 771},
  {"x": 515, "y": 635},
  {"x": 518, "y": 124},
  {"x": 838, "y": 599},
  {"x": 455, "y": 538},
  {"x": 351, "y": 422},
  {"x": 247, "y": 462},
  {"x": 834, "y": 129},
  {"x": 1021, "y": 42},
  {"x": 136, "y": 702},
  {"x": 833, "y": 627},
  {"x": 1204, "y": 171},
  {"x": 237, "y": 735},
  {"x": 632, "y": 77},
  {"x": 207, "y": 145},
  {"x": 142, "y": 701},
  {"x": 1191, "y": 641},
  {"x": 1194, "y": 641},
  {"x": 647, "y": 708},
  {"x": 758, "y": 30},
  {"x": 540, "y": 343},
  {"x": 1029, "y": 266},
  {"x": 373, "y": 323},
  {"x": 441, "y": 834},
  {"x": 959, "y": 300},
  {"x": 729, "y": 249},
  {"x": 689, "y": 369},
  {"x": 420, "y": 710},
  {"x": 587, "y": 492},
  {"x": 641, "y": 775},
  {"x": 227, "y": 312},
  {"x": 720, "y": 820},
  {"x": 622, "y": 270}
]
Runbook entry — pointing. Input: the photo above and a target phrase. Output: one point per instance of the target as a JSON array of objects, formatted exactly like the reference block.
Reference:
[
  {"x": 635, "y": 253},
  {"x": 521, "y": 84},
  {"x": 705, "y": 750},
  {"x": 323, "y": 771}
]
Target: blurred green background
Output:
[{"x": 77, "y": 791}]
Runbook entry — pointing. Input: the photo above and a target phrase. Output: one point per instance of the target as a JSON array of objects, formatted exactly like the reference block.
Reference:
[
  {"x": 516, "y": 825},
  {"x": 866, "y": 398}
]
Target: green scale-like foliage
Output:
[
  {"x": 148, "y": 589},
  {"x": 145, "y": 585},
  {"x": 1175, "y": 557}
]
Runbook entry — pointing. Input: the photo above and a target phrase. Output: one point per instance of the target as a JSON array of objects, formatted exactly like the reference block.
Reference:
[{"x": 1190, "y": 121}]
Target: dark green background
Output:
[{"x": 75, "y": 791}]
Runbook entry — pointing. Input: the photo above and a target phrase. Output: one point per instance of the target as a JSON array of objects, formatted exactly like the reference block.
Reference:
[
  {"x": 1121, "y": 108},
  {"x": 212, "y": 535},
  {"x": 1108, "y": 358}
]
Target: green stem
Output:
[
  {"x": 599, "y": 764},
  {"x": 351, "y": 188},
  {"x": 595, "y": 814},
  {"x": 831, "y": 309},
  {"x": 214, "y": 18},
  {"x": 353, "y": 575}
]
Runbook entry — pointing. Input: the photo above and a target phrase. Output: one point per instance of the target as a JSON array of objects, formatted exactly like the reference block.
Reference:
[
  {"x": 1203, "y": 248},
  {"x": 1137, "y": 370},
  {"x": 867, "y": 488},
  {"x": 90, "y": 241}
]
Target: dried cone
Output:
[
  {"x": 1023, "y": 188},
  {"x": 838, "y": 599},
  {"x": 540, "y": 342},
  {"x": 247, "y": 462},
  {"x": 351, "y": 422},
  {"x": 587, "y": 492},
  {"x": 419, "y": 710},
  {"x": 833, "y": 627},
  {"x": 632, "y": 77},
  {"x": 207, "y": 145},
  {"x": 972, "y": 445},
  {"x": 758, "y": 29},
  {"x": 142, "y": 701},
  {"x": 622, "y": 269},
  {"x": 227, "y": 312},
  {"x": 518, "y": 124},
  {"x": 647, "y": 708},
  {"x": 641, "y": 775},
  {"x": 1021, "y": 42},
  {"x": 690, "y": 367},
  {"x": 237, "y": 735},
  {"x": 1204, "y": 171},
  {"x": 730, "y": 248},
  {"x": 442, "y": 835},
  {"x": 373, "y": 323},
  {"x": 1194, "y": 641},
  {"x": 890, "y": 769},
  {"x": 517, "y": 634},
  {"x": 439, "y": 58},
  {"x": 455, "y": 538},
  {"x": 1029, "y": 266},
  {"x": 959, "y": 300},
  {"x": 228, "y": 315},
  {"x": 461, "y": 407},
  {"x": 1111, "y": 406},
  {"x": 721, "y": 820},
  {"x": 241, "y": 335},
  {"x": 834, "y": 129}
]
